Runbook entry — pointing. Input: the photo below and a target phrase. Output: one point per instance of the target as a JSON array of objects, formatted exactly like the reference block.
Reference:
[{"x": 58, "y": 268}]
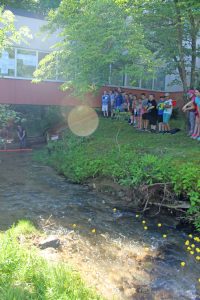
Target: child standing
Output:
[
  {"x": 105, "y": 102},
  {"x": 167, "y": 112},
  {"x": 145, "y": 120},
  {"x": 112, "y": 103},
  {"x": 160, "y": 109},
  {"x": 139, "y": 113}
]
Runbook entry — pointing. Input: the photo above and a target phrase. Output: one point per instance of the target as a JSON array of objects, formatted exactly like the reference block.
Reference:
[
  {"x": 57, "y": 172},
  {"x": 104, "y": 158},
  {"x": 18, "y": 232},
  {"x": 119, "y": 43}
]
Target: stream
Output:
[{"x": 109, "y": 247}]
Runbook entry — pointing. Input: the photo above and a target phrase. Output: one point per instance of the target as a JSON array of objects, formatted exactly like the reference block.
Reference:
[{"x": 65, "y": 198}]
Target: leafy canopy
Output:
[
  {"x": 8, "y": 33},
  {"x": 94, "y": 34},
  {"x": 36, "y": 6}
]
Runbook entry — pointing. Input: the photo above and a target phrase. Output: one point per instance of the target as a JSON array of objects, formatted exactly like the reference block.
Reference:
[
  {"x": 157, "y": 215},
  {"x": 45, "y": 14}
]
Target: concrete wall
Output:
[{"x": 16, "y": 91}]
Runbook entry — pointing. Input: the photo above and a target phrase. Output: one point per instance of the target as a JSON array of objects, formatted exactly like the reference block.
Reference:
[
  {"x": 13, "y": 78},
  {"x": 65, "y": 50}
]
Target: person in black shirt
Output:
[
  {"x": 152, "y": 112},
  {"x": 21, "y": 133}
]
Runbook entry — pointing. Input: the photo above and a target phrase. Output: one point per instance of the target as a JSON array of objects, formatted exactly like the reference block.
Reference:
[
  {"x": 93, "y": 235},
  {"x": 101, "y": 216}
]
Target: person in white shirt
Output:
[{"x": 167, "y": 112}]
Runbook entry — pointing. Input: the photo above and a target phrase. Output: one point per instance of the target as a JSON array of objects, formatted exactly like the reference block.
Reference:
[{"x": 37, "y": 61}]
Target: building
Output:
[{"x": 18, "y": 63}]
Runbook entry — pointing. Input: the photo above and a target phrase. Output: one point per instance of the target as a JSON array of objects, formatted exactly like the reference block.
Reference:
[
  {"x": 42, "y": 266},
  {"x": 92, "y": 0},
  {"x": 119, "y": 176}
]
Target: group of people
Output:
[
  {"x": 145, "y": 112},
  {"x": 193, "y": 110}
]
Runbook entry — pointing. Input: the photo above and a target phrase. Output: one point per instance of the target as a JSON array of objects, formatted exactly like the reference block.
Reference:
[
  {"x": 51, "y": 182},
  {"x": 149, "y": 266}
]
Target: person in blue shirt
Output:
[
  {"x": 105, "y": 101},
  {"x": 118, "y": 101}
]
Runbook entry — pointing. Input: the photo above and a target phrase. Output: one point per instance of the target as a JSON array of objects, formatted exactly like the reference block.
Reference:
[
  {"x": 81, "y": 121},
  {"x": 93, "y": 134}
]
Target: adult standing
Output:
[
  {"x": 152, "y": 112},
  {"x": 191, "y": 108},
  {"x": 196, "y": 134},
  {"x": 21, "y": 133}
]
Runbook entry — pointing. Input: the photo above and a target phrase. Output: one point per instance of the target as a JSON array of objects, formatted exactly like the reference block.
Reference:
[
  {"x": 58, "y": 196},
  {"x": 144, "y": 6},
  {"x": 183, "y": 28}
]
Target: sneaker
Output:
[
  {"x": 193, "y": 136},
  {"x": 198, "y": 139}
]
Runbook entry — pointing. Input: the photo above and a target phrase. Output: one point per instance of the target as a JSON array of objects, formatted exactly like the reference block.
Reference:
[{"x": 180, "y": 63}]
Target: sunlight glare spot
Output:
[{"x": 83, "y": 120}]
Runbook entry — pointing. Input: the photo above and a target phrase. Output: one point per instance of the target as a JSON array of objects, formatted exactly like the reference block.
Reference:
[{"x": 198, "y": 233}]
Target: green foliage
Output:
[
  {"x": 41, "y": 7},
  {"x": 135, "y": 37},
  {"x": 186, "y": 180},
  {"x": 40, "y": 118},
  {"x": 171, "y": 30},
  {"x": 140, "y": 158},
  {"x": 24, "y": 227},
  {"x": 8, "y": 33},
  {"x": 94, "y": 34},
  {"x": 25, "y": 275},
  {"x": 7, "y": 114}
]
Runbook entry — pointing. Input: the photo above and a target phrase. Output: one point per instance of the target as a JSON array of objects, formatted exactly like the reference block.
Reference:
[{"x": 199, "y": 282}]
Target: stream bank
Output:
[{"x": 109, "y": 246}]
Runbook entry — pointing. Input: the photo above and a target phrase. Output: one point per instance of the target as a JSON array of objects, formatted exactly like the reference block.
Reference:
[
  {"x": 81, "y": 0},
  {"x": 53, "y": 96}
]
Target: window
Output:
[
  {"x": 147, "y": 84},
  {"x": 7, "y": 62},
  {"x": 41, "y": 55},
  {"x": 116, "y": 77},
  {"x": 159, "y": 82},
  {"x": 26, "y": 63},
  {"x": 133, "y": 81}
]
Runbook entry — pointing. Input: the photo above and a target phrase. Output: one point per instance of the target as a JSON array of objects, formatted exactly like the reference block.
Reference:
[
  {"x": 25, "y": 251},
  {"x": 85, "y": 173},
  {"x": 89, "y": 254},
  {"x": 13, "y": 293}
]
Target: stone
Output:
[{"x": 50, "y": 242}]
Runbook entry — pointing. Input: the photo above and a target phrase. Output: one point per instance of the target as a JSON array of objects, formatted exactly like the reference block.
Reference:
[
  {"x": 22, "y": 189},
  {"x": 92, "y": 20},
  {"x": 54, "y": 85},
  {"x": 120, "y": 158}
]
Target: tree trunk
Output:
[
  {"x": 180, "y": 38},
  {"x": 193, "y": 31}
]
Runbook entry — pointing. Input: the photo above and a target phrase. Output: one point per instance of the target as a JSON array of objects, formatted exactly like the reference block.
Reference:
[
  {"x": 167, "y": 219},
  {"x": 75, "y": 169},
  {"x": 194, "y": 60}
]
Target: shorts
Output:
[
  {"x": 105, "y": 107},
  {"x": 119, "y": 108},
  {"x": 152, "y": 119},
  {"x": 166, "y": 118},
  {"x": 145, "y": 116},
  {"x": 160, "y": 118}
]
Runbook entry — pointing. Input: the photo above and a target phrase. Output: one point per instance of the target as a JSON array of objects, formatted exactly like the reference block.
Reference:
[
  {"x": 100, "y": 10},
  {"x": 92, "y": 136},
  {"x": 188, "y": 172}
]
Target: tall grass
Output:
[{"x": 25, "y": 275}]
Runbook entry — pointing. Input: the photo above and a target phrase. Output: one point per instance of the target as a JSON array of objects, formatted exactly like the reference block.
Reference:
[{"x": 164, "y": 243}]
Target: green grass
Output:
[
  {"x": 118, "y": 151},
  {"x": 24, "y": 275}
]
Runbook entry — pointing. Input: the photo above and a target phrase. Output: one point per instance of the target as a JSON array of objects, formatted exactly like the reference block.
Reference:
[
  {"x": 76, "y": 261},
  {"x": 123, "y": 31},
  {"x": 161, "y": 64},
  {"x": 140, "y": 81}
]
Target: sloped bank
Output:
[{"x": 139, "y": 175}]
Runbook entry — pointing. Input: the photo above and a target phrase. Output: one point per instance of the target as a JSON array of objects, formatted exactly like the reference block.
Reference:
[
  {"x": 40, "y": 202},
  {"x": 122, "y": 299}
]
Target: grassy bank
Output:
[
  {"x": 132, "y": 158},
  {"x": 25, "y": 275}
]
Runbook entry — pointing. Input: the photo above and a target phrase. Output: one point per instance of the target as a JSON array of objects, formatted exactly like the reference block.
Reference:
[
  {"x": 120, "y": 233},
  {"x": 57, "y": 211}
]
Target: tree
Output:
[
  {"x": 94, "y": 35},
  {"x": 8, "y": 115},
  {"x": 8, "y": 33},
  {"x": 41, "y": 7},
  {"x": 171, "y": 30}
]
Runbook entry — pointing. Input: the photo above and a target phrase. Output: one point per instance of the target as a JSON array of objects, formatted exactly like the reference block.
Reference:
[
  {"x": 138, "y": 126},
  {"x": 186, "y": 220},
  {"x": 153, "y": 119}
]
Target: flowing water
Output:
[{"x": 128, "y": 261}]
